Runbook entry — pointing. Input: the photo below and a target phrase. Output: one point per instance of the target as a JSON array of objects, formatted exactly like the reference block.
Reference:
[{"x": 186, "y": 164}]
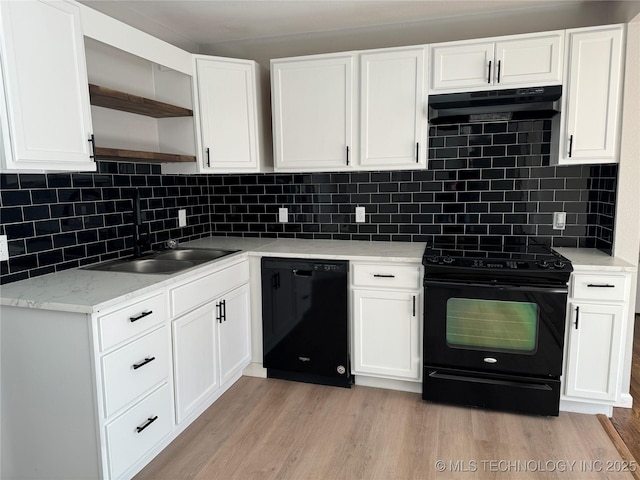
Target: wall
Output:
[{"x": 486, "y": 183}]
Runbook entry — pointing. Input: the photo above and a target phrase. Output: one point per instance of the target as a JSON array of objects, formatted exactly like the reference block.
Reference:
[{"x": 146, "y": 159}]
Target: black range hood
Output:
[{"x": 493, "y": 105}]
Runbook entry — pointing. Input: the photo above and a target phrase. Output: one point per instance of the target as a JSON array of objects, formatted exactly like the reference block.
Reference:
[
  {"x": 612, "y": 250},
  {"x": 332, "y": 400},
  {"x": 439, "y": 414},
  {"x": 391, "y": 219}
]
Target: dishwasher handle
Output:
[{"x": 302, "y": 273}]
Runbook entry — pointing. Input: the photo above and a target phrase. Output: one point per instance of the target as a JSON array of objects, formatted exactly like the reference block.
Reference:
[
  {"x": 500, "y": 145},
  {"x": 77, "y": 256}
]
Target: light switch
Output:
[
  {"x": 360, "y": 217},
  {"x": 182, "y": 218}
]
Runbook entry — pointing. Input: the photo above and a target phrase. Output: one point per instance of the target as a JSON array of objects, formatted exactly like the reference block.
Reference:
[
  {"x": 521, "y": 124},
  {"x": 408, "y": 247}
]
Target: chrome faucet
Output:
[{"x": 139, "y": 245}]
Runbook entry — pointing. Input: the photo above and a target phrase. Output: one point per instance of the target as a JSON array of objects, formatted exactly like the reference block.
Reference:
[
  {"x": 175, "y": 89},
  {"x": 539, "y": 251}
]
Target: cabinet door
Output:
[
  {"x": 594, "y": 351},
  {"x": 228, "y": 115},
  {"x": 234, "y": 336},
  {"x": 462, "y": 66},
  {"x": 46, "y": 86},
  {"x": 529, "y": 61},
  {"x": 195, "y": 359},
  {"x": 391, "y": 109},
  {"x": 313, "y": 113},
  {"x": 386, "y": 333},
  {"x": 592, "y": 99}
]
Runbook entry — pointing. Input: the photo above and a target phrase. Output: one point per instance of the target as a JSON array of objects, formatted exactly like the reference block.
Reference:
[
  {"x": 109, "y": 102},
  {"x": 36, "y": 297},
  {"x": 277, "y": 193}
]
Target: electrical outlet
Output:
[
  {"x": 4, "y": 248},
  {"x": 182, "y": 218},
  {"x": 559, "y": 220},
  {"x": 283, "y": 215},
  {"x": 360, "y": 218}
]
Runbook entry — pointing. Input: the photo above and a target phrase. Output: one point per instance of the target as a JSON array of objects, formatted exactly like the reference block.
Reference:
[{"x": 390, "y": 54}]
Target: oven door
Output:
[{"x": 494, "y": 328}]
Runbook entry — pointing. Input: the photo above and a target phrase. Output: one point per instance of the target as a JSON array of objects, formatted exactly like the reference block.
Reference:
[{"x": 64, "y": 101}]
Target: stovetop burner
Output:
[{"x": 508, "y": 263}]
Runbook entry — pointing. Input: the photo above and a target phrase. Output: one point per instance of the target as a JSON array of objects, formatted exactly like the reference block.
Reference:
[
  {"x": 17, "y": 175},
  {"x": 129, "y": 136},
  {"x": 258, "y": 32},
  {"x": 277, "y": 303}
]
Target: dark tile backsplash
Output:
[
  {"x": 486, "y": 184},
  {"x": 65, "y": 220}
]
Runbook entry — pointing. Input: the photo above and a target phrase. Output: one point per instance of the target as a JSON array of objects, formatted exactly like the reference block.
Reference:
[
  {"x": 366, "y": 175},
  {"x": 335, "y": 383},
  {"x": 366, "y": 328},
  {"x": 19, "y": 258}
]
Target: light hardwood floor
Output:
[{"x": 274, "y": 429}]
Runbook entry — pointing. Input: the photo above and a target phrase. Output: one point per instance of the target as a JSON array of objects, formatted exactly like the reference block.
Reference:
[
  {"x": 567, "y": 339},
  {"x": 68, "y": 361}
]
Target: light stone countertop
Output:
[
  {"x": 592, "y": 259},
  {"x": 89, "y": 291},
  {"x": 325, "y": 249}
]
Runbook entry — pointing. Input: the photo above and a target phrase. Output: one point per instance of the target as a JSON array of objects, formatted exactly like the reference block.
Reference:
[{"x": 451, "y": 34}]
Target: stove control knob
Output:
[
  {"x": 558, "y": 264},
  {"x": 447, "y": 259},
  {"x": 543, "y": 264}
]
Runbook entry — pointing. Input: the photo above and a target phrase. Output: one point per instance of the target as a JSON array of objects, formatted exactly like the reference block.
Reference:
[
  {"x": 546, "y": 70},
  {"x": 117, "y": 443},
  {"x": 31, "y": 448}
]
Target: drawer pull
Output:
[
  {"x": 382, "y": 275},
  {"x": 142, "y": 315},
  {"x": 149, "y": 421},
  {"x": 598, "y": 285},
  {"x": 143, "y": 363},
  {"x": 577, "y": 317}
]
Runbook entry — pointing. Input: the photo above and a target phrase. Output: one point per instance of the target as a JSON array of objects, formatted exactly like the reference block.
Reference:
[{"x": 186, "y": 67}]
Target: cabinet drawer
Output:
[
  {"x": 599, "y": 287},
  {"x": 117, "y": 327},
  {"x": 387, "y": 276},
  {"x": 134, "y": 369},
  {"x": 133, "y": 434},
  {"x": 202, "y": 290}
]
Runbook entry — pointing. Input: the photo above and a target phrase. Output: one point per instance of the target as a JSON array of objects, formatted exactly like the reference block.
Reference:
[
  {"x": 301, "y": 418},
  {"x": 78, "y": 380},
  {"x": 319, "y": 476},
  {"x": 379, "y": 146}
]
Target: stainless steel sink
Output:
[
  {"x": 164, "y": 262},
  {"x": 192, "y": 254}
]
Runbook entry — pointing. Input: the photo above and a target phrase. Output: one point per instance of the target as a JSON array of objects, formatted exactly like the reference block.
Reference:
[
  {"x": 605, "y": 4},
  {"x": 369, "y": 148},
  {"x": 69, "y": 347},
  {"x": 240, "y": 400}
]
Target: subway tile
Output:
[
  {"x": 11, "y": 215},
  {"x": 31, "y": 180},
  {"x": 39, "y": 244},
  {"x": 9, "y": 181},
  {"x": 36, "y": 212},
  {"x": 15, "y": 197},
  {"x": 47, "y": 227}
]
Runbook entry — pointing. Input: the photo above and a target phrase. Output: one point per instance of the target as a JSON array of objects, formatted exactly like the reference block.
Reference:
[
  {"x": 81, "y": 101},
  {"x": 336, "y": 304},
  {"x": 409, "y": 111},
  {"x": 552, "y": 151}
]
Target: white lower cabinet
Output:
[
  {"x": 211, "y": 345},
  {"x": 386, "y": 330},
  {"x": 594, "y": 350},
  {"x": 234, "y": 339},
  {"x": 386, "y": 314},
  {"x": 597, "y": 315},
  {"x": 195, "y": 359},
  {"x": 96, "y": 395}
]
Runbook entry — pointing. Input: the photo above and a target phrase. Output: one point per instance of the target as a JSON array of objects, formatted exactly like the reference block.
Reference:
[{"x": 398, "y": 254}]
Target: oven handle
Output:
[
  {"x": 491, "y": 381},
  {"x": 508, "y": 288}
]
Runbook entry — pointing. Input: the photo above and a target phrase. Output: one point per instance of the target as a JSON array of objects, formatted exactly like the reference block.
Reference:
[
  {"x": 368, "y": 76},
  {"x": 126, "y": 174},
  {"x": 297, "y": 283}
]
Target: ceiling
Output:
[{"x": 192, "y": 23}]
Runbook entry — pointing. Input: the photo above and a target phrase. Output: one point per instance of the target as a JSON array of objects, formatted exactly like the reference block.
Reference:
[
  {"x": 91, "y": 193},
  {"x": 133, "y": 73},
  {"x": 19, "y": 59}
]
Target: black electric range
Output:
[{"x": 494, "y": 323}]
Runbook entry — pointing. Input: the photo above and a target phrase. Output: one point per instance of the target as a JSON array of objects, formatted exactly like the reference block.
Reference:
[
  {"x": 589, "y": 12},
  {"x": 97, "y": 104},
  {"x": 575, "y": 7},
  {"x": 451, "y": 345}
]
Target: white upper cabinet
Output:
[
  {"x": 392, "y": 104},
  {"x": 591, "y": 110},
  {"x": 461, "y": 66},
  {"x": 504, "y": 62},
  {"x": 227, "y": 113},
  {"x": 46, "y": 97},
  {"x": 313, "y": 112}
]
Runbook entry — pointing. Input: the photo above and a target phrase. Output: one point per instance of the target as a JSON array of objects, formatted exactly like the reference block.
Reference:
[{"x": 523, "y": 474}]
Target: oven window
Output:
[{"x": 492, "y": 325}]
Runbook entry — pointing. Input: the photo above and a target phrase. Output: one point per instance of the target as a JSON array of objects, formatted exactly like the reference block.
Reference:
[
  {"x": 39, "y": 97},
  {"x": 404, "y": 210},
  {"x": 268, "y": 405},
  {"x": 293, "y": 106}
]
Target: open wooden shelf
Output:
[
  {"x": 116, "y": 100},
  {"x": 141, "y": 156}
]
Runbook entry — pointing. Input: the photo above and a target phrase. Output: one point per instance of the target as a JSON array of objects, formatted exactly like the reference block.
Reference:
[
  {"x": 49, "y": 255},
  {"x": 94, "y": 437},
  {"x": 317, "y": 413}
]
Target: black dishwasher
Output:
[{"x": 304, "y": 320}]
